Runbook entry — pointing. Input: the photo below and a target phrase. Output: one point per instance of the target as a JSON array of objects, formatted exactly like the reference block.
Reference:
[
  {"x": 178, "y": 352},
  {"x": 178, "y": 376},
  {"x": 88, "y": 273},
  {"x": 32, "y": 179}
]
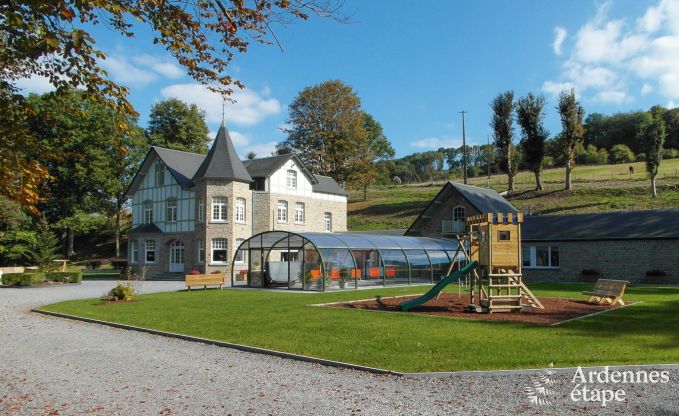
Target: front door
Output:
[{"x": 177, "y": 257}]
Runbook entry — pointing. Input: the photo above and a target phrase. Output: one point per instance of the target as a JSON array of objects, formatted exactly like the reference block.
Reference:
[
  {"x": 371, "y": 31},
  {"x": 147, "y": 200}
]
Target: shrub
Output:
[
  {"x": 122, "y": 291},
  {"x": 94, "y": 264},
  {"x": 119, "y": 264},
  {"x": 670, "y": 154},
  {"x": 641, "y": 157},
  {"x": 65, "y": 277},
  {"x": 590, "y": 275},
  {"x": 22, "y": 279},
  {"x": 621, "y": 154},
  {"x": 194, "y": 271},
  {"x": 656, "y": 277}
]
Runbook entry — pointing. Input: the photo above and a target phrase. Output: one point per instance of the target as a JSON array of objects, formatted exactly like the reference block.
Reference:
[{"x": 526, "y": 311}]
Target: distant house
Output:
[
  {"x": 446, "y": 213},
  {"x": 191, "y": 211},
  {"x": 617, "y": 245}
]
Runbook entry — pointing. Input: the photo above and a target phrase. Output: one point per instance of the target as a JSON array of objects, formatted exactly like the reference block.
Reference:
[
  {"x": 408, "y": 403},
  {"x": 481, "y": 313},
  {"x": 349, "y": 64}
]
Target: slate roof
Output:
[
  {"x": 259, "y": 168},
  {"x": 617, "y": 225},
  {"x": 394, "y": 232},
  {"x": 182, "y": 165},
  {"x": 222, "y": 161},
  {"x": 145, "y": 229},
  {"x": 328, "y": 185},
  {"x": 483, "y": 199}
]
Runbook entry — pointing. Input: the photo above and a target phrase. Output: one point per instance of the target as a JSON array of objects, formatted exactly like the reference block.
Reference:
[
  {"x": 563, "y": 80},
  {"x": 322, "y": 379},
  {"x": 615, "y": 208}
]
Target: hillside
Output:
[{"x": 596, "y": 189}]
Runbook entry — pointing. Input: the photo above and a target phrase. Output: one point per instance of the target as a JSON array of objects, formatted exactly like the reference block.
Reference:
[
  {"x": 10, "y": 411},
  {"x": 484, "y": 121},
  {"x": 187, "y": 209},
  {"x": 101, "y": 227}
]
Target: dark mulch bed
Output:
[{"x": 450, "y": 305}]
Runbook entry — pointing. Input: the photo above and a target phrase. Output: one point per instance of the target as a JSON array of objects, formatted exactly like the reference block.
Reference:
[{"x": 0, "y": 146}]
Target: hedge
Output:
[
  {"x": 65, "y": 277},
  {"x": 22, "y": 279},
  {"x": 29, "y": 279}
]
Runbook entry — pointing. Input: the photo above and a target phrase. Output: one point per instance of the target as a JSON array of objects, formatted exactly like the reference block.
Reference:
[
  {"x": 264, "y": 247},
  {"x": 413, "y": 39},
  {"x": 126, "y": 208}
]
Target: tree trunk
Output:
[
  {"x": 654, "y": 191},
  {"x": 510, "y": 188},
  {"x": 69, "y": 245},
  {"x": 365, "y": 192},
  {"x": 538, "y": 180},
  {"x": 569, "y": 168},
  {"x": 116, "y": 230}
]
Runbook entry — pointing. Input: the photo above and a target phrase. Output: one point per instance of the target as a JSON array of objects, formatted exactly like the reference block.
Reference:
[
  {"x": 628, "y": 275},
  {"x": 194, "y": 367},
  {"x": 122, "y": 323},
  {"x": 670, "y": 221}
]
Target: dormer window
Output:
[
  {"x": 292, "y": 179},
  {"x": 160, "y": 174}
]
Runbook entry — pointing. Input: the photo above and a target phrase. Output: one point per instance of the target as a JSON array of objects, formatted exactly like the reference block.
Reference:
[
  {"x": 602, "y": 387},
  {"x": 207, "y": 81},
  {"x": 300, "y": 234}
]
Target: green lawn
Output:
[
  {"x": 642, "y": 333},
  {"x": 596, "y": 189}
]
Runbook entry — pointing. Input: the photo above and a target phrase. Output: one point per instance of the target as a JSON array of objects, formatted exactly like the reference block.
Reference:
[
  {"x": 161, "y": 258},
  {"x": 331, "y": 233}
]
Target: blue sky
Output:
[{"x": 415, "y": 65}]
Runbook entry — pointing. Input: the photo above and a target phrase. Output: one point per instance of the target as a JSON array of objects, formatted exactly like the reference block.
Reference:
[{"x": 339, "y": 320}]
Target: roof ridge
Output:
[{"x": 175, "y": 150}]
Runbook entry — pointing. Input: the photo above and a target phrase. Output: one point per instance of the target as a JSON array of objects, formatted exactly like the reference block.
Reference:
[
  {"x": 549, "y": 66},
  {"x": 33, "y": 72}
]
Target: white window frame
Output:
[
  {"x": 240, "y": 210},
  {"x": 455, "y": 212},
  {"x": 201, "y": 251},
  {"x": 300, "y": 209},
  {"x": 160, "y": 173},
  {"x": 216, "y": 245},
  {"x": 201, "y": 210},
  {"x": 239, "y": 259},
  {"x": 147, "y": 208},
  {"x": 291, "y": 179},
  {"x": 220, "y": 203},
  {"x": 533, "y": 258},
  {"x": 149, "y": 247},
  {"x": 134, "y": 252},
  {"x": 171, "y": 210},
  {"x": 327, "y": 222},
  {"x": 282, "y": 211}
]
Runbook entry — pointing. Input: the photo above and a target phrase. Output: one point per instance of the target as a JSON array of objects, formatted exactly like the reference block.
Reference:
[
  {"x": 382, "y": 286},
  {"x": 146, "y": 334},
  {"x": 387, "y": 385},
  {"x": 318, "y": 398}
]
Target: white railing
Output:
[{"x": 450, "y": 226}]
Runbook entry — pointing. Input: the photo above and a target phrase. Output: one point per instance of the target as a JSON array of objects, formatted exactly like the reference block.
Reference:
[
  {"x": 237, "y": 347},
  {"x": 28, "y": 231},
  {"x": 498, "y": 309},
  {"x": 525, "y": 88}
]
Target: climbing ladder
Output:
[{"x": 507, "y": 292}]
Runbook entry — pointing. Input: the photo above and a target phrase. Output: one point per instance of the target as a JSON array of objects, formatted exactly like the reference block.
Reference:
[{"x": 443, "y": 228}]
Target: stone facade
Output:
[
  {"x": 429, "y": 224},
  {"x": 621, "y": 259},
  {"x": 315, "y": 207}
]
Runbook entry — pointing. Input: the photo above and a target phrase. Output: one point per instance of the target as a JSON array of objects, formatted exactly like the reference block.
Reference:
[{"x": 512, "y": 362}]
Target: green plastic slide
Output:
[{"x": 438, "y": 287}]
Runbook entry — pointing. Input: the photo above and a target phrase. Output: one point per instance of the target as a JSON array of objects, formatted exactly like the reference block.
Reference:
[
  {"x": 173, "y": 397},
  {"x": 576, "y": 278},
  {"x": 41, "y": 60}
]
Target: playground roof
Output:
[
  {"x": 617, "y": 225},
  {"x": 281, "y": 239}
]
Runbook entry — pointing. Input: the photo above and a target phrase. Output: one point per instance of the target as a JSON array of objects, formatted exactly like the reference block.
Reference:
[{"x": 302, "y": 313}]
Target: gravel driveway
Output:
[{"x": 56, "y": 366}]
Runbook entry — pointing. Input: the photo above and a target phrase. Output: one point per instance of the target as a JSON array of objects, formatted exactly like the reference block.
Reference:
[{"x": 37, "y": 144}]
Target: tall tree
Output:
[
  {"x": 90, "y": 158},
  {"x": 530, "y": 116},
  {"x": 652, "y": 135},
  {"x": 572, "y": 130},
  {"x": 364, "y": 171},
  {"x": 503, "y": 133},
  {"x": 177, "y": 125},
  {"x": 53, "y": 40},
  {"x": 327, "y": 128}
]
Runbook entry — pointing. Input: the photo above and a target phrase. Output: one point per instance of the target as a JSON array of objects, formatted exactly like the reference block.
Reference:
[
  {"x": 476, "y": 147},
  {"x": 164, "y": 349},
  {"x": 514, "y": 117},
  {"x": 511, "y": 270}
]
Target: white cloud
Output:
[
  {"x": 250, "y": 107},
  {"x": 609, "y": 55},
  {"x": 140, "y": 69},
  {"x": 559, "y": 37},
  {"x": 162, "y": 66},
  {"x": 36, "y": 84},
  {"x": 434, "y": 143},
  {"x": 124, "y": 72}
]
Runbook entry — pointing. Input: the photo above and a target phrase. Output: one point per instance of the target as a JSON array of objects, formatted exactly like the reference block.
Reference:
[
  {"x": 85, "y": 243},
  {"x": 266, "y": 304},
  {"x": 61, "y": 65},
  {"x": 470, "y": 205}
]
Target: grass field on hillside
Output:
[
  {"x": 596, "y": 189},
  {"x": 642, "y": 333}
]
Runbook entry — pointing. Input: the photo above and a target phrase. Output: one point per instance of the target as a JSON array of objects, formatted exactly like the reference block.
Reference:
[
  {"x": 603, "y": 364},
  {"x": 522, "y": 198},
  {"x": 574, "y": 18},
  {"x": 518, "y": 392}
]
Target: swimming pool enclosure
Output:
[{"x": 329, "y": 261}]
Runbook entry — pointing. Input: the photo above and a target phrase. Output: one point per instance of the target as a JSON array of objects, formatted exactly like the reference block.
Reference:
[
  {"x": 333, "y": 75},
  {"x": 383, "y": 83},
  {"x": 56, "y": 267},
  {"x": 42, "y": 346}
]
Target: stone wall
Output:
[
  {"x": 162, "y": 260},
  {"x": 429, "y": 224},
  {"x": 266, "y": 205},
  {"x": 623, "y": 259}
]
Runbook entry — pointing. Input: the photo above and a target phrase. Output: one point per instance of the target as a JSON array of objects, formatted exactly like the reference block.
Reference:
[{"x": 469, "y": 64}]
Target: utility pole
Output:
[{"x": 464, "y": 149}]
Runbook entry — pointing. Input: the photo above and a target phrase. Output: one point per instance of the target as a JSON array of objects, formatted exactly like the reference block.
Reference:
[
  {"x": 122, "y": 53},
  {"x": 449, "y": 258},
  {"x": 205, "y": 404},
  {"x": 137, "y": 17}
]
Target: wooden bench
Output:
[
  {"x": 204, "y": 280},
  {"x": 607, "y": 290}
]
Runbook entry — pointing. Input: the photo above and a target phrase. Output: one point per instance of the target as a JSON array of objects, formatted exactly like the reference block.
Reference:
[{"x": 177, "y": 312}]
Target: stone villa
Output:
[{"x": 192, "y": 211}]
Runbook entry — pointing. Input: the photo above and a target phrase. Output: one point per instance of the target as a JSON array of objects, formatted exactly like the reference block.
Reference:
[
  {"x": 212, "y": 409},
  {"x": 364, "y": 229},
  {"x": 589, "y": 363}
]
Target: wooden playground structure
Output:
[{"x": 494, "y": 241}]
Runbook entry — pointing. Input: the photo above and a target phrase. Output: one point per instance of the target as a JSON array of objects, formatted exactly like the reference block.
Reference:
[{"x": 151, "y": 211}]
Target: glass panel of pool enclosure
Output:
[{"x": 326, "y": 261}]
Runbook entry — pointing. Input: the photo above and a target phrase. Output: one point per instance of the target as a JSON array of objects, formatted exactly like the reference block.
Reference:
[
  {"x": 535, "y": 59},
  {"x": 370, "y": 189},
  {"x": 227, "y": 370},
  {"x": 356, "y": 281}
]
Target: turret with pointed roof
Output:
[{"x": 222, "y": 161}]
